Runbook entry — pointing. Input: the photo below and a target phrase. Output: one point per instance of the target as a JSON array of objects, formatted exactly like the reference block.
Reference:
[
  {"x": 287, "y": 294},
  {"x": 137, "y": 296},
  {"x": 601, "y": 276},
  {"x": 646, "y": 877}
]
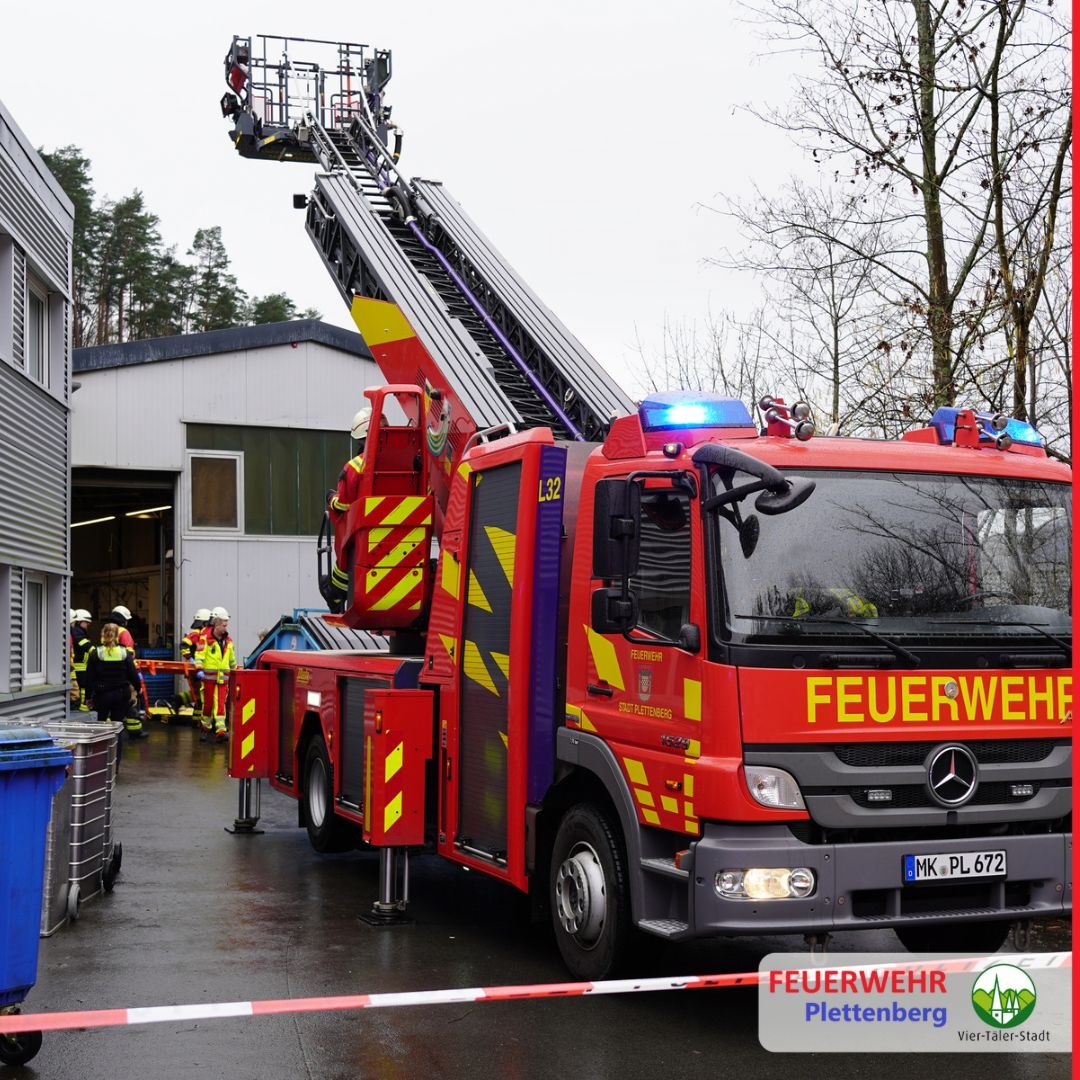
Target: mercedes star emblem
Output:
[{"x": 952, "y": 774}]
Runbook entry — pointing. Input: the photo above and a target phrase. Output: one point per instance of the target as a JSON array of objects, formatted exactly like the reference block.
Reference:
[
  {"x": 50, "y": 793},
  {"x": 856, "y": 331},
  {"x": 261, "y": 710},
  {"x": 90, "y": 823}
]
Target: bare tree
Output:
[{"x": 892, "y": 104}]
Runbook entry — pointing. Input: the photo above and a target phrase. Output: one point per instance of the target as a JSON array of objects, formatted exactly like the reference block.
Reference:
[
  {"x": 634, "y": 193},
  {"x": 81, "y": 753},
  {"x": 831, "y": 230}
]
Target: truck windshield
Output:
[{"x": 905, "y": 554}]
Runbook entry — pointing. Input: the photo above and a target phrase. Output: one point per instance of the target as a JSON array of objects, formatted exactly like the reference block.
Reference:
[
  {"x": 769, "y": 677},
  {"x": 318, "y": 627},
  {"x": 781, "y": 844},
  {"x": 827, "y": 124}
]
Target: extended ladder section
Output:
[{"x": 483, "y": 341}]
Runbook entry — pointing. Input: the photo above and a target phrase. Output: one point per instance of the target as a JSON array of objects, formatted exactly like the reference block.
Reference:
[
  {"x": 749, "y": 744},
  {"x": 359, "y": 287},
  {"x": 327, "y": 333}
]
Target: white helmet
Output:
[
  {"x": 219, "y": 613},
  {"x": 202, "y": 615},
  {"x": 71, "y": 615},
  {"x": 82, "y": 615},
  {"x": 360, "y": 423},
  {"x": 124, "y": 612}
]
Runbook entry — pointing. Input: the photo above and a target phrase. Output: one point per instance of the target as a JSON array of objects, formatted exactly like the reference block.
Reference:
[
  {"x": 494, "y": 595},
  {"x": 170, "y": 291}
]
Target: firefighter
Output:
[
  {"x": 80, "y": 648},
  {"x": 339, "y": 502},
  {"x": 215, "y": 659},
  {"x": 189, "y": 645},
  {"x": 848, "y": 603},
  {"x": 112, "y": 681},
  {"x": 120, "y": 616}
]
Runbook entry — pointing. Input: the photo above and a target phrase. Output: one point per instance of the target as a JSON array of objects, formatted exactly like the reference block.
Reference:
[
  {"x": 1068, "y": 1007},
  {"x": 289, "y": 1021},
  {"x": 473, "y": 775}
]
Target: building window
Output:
[
  {"x": 35, "y": 653},
  {"x": 216, "y": 481},
  {"x": 37, "y": 332}
]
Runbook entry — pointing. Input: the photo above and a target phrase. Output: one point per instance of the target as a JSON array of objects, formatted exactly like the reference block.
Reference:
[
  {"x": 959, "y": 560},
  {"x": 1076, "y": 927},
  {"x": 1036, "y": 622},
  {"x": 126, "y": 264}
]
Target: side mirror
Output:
[
  {"x": 616, "y": 529},
  {"x": 799, "y": 489},
  {"x": 690, "y": 637},
  {"x": 613, "y": 612}
]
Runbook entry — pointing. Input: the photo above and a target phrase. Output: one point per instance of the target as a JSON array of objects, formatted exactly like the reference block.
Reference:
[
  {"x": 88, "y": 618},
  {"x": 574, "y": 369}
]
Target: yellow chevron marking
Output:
[
  {"x": 372, "y": 504},
  {"x": 400, "y": 550},
  {"x": 391, "y": 813},
  {"x": 587, "y": 724},
  {"x": 605, "y": 659},
  {"x": 464, "y": 469},
  {"x": 505, "y": 739},
  {"x": 472, "y": 664},
  {"x": 644, "y": 796},
  {"x": 688, "y": 809},
  {"x": 451, "y": 574},
  {"x": 669, "y": 804},
  {"x": 376, "y": 537},
  {"x": 449, "y": 644},
  {"x": 691, "y": 699},
  {"x": 248, "y": 711},
  {"x": 380, "y": 322},
  {"x": 693, "y": 750},
  {"x": 394, "y": 760},
  {"x": 573, "y": 713},
  {"x": 692, "y": 827},
  {"x": 651, "y": 816},
  {"x": 636, "y": 771},
  {"x": 405, "y": 508},
  {"x": 476, "y": 594},
  {"x": 504, "y": 545},
  {"x": 688, "y": 785},
  {"x": 397, "y": 594},
  {"x": 504, "y": 663},
  {"x": 247, "y": 745}
]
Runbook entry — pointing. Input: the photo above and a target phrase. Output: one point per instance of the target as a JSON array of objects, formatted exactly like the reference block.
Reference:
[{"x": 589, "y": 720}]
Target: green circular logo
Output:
[{"x": 1003, "y": 996}]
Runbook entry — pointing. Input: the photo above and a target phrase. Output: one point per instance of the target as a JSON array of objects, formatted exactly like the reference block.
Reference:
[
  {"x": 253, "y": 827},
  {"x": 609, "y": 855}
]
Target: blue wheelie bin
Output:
[{"x": 32, "y": 770}]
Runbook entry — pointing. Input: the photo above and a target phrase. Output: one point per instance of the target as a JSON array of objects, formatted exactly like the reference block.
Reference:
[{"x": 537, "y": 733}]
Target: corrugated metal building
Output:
[
  {"x": 36, "y": 226},
  {"x": 200, "y": 466}
]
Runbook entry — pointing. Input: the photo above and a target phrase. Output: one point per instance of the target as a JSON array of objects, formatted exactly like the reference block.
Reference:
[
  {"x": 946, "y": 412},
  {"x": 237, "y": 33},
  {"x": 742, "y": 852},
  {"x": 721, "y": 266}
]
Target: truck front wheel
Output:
[
  {"x": 589, "y": 907},
  {"x": 326, "y": 831}
]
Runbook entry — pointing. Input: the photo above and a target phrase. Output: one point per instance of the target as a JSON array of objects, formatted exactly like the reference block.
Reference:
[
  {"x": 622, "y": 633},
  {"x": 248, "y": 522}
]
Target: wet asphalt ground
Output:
[{"x": 198, "y": 915}]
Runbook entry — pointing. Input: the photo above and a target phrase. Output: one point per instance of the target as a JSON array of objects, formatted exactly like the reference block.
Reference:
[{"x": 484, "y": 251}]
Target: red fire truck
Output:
[{"x": 663, "y": 667}]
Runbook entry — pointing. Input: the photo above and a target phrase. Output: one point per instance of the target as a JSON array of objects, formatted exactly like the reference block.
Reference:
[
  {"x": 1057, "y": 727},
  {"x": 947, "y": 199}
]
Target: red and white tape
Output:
[{"x": 160, "y": 1014}]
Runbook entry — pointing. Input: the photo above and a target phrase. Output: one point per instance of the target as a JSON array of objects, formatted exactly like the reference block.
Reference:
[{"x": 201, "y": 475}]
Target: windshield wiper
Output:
[
  {"x": 1059, "y": 642},
  {"x": 892, "y": 646}
]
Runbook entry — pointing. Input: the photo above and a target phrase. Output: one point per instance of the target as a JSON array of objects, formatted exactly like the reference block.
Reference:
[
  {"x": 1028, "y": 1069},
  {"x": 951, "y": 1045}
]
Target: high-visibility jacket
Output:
[
  {"x": 110, "y": 667},
  {"x": 850, "y": 603},
  {"x": 80, "y": 648},
  {"x": 347, "y": 490},
  {"x": 189, "y": 643},
  {"x": 216, "y": 657}
]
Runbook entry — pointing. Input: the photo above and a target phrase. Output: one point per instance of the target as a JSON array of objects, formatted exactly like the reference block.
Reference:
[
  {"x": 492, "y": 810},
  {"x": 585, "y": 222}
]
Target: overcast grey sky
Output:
[{"x": 580, "y": 135}]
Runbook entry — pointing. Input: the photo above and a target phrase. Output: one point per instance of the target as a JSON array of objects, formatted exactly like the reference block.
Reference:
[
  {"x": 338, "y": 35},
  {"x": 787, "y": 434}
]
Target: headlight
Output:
[
  {"x": 765, "y": 883},
  {"x": 773, "y": 787}
]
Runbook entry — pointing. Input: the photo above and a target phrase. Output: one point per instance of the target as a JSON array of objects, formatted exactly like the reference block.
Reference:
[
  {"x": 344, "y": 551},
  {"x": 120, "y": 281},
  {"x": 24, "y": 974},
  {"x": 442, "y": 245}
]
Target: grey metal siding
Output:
[
  {"x": 18, "y": 309},
  {"x": 33, "y": 476},
  {"x": 23, "y": 216},
  {"x": 48, "y": 705},
  {"x": 15, "y": 592}
]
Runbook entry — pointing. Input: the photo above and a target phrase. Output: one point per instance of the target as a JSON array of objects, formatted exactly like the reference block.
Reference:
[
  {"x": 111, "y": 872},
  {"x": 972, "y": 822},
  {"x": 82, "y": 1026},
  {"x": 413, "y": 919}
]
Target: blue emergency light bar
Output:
[
  {"x": 669, "y": 409},
  {"x": 1020, "y": 431}
]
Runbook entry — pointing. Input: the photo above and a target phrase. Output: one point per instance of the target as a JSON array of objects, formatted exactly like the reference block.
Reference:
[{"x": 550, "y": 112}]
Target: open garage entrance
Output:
[{"x": 123, "y": 549}]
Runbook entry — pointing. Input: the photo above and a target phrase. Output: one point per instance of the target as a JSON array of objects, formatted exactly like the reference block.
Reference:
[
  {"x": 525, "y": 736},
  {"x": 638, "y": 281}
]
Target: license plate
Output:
[{"x": 956, "y": 864}]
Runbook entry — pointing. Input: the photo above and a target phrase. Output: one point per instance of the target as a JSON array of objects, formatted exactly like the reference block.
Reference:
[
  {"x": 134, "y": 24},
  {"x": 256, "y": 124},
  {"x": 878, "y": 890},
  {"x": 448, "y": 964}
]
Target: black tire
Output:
[
  {"x": 979, "y": 937},
  {"x": 326, "y": 831},
  {"x": 19, "y": 1048},
  {"x": 109, "y": 874},
  {"x": 590, "y": 907}
]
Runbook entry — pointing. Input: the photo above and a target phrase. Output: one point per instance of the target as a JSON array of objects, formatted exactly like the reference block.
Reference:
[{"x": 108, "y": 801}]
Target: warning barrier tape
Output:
[{"x": 160, "y": 1014}]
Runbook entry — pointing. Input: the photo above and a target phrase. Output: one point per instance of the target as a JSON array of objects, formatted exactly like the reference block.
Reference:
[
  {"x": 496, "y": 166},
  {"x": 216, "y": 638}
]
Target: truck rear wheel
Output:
[
  {"x": 979, "y": 937},
  {"x": 326, "y": 831},
  {"x": 590, "y": 910}
]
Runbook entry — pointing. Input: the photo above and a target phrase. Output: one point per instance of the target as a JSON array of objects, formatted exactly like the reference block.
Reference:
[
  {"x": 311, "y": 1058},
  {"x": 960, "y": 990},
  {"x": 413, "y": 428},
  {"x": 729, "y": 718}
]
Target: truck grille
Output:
[{"x": 987, "y": 751}]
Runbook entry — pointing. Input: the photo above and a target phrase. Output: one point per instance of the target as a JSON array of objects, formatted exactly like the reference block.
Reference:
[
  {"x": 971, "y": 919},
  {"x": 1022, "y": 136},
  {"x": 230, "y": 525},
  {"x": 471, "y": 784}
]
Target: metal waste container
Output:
[
  {"x": 32, "y": 769},
  {"x": 82, "y": 856}
]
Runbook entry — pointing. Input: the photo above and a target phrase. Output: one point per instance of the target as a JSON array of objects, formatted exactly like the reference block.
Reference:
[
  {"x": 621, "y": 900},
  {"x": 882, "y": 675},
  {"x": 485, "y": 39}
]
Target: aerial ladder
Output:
[{"x": 468, "y": 350}]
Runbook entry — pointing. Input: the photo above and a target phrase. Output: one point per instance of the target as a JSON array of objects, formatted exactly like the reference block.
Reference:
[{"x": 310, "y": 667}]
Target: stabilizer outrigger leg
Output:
[{"x": 389, "y": 909}]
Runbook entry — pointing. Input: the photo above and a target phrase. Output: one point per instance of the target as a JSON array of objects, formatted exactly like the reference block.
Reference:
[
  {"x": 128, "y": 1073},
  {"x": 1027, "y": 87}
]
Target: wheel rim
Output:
[
  {"x": 581, "y": 895},
  {"x": 317, "y": 802}
]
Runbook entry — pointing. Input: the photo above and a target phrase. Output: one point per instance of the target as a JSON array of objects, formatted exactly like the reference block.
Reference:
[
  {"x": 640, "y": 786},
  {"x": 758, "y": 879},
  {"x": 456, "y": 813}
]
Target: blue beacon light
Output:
[
  {"x": 671, "y": 409},
  {"x": 992, "y": 426}
]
